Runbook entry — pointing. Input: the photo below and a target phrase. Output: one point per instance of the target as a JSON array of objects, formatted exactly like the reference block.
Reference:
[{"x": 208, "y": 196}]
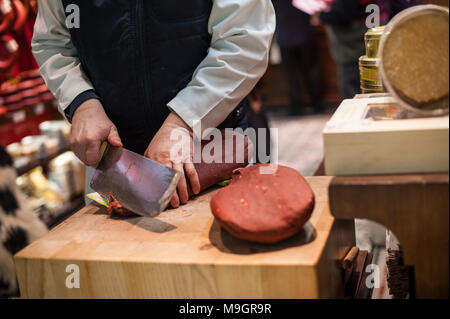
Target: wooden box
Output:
[{"x": 375, "y": 136}]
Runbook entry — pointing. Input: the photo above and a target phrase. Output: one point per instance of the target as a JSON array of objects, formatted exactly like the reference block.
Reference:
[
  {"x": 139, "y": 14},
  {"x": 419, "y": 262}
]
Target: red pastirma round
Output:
[
  {"x": 30, "y": 74},
  {"x": 6, "y": 88},
  {"x": 31, "y": 101},
  {"x": 264, "y": 208},
  {"x": 29, "y": 93},
  {"x": 41, "y": 89},
  {"x": 29, "y": 84},
  {"x": 12, "y": 98},
  {"x": 46, "y": 96}
]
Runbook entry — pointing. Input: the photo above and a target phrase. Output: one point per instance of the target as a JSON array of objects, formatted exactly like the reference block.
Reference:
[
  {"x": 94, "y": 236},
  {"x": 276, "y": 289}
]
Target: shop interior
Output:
[{"x": 304, "y": 95}]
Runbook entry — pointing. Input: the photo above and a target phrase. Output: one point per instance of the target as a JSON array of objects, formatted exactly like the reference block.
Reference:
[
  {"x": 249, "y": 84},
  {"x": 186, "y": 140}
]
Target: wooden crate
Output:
[{"x": 357, "y": 144}]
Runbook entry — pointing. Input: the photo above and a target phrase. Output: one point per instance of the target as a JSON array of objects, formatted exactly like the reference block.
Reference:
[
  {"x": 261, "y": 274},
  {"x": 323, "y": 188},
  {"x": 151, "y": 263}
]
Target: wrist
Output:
[
  {"x": 173, "y": 118},
  {"x": 78, "y": 101},
  {"x": 88, "y": 110},
  {"x": 88, "y": 105}
]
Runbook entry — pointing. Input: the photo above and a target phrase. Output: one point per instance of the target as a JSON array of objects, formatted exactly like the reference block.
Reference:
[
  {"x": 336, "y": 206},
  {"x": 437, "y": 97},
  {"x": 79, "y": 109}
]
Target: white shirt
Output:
[{"x": 241, "y": 31}]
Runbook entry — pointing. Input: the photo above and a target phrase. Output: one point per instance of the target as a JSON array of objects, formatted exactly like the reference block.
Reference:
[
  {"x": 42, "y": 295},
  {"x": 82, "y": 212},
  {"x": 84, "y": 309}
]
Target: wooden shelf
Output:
[{"x": 38, "y": 162}]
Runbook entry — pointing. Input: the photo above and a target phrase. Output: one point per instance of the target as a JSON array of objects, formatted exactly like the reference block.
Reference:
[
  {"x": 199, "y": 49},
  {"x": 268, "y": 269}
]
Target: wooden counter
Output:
[
  {"x": 184, "y": 253},
  {"x": 415, "y": 208}
]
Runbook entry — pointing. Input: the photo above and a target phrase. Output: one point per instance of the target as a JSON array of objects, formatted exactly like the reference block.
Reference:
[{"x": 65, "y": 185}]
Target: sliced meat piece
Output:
[
  {"x": 264, "y": 208},
  {"x": 116, "y": 208}
]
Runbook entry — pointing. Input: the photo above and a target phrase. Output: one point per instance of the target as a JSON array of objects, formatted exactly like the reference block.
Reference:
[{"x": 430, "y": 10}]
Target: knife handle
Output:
[{"x": 103, "y": 148}]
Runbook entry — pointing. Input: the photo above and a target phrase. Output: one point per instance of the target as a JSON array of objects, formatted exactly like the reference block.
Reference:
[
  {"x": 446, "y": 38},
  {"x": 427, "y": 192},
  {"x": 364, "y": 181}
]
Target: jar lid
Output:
[
  {"x": 375, "y": 33},
  {"x": 414, "y": 59}
]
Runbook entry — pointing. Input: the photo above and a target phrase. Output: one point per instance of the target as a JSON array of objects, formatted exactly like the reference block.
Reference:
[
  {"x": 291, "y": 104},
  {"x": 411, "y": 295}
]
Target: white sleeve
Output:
[
  {"x": 242, "y": 32},
  {"x": 56, "y": 55}
]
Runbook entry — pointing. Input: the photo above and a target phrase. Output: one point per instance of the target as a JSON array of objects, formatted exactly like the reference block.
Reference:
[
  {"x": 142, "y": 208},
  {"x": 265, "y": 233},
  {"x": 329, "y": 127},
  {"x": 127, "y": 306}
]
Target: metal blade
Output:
[{"x": 138, "y": 183}]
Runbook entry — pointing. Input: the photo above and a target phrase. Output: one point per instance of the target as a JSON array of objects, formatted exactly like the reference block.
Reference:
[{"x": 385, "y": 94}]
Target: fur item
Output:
[{"x": 19, "y": 226}]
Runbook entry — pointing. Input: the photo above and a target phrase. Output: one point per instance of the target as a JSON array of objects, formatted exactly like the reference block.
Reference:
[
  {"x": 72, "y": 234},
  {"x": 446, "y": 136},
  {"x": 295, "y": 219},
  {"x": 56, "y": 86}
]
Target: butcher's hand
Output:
[
  {"x": 173, "y": 146},
  {"x": 90, "y": 127}
]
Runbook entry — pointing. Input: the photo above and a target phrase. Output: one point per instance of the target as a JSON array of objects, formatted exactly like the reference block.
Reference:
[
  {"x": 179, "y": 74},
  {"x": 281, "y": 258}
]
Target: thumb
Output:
[{"x": 114, "y": 138}]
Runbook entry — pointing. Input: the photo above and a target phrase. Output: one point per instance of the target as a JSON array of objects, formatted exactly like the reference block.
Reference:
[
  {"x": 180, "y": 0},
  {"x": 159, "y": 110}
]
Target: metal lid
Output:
[
  {"x": 389, "y": 47},
  {"x": 375, "y": 33}
]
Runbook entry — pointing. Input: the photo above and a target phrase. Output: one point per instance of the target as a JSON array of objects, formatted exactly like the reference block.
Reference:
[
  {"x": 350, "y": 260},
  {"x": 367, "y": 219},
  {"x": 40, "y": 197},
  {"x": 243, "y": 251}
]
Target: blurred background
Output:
[
  {"x": 31, "y": 128},
  {"x": 323, "y": 68}
]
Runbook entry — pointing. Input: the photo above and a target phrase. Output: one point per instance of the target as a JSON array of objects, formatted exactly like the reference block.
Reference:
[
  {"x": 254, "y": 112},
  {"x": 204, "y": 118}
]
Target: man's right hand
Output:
[{"x": 90, "y": 127}]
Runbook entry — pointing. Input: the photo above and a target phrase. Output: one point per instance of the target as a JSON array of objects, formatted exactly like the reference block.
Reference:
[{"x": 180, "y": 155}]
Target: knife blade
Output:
[{"x": 137, "y": 182}]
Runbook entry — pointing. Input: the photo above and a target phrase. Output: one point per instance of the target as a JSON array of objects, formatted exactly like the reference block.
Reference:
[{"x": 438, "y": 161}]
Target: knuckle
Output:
[
  {"x": 191, "y": 172},
  {"x": 90, "y": 140},
  {"x": 91, "y": 160},
  {"x": 72, "y": 139},
  {"x": 78, "y": 142},
  {"x": 164, "y": 155},
  {"x": 92, "y": 163}
]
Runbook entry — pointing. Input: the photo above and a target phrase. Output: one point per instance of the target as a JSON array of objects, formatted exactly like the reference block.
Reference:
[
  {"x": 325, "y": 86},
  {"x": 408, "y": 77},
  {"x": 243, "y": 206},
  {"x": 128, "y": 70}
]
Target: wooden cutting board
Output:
[{"x": 184, "y": 253}]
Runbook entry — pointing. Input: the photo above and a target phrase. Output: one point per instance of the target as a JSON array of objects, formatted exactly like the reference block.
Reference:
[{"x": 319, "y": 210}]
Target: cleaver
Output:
[{"x": 141, "y": 185}]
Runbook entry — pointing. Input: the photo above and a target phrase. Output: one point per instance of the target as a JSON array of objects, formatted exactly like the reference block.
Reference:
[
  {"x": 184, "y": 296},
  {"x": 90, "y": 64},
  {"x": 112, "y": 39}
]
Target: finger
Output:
[
  {"x": 92, "y": 153},
  {"x": 192, "y": 175},
  {"x": 77, "y": 147},
  {"x": 160, "y": 159},
  {"x": 182, "y": 185},
  {"x": 80, "y": 152},
  {"x": 114, "y": 138},
  {"x": 174, "y": 201},
  {"x": 80, "y": 149}
]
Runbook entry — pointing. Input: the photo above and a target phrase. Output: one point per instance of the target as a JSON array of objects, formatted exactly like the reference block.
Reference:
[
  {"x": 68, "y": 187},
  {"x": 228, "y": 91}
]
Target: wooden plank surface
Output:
[
  {"x": 415, "y": 208},
  {"x": 184, "y": 253}
]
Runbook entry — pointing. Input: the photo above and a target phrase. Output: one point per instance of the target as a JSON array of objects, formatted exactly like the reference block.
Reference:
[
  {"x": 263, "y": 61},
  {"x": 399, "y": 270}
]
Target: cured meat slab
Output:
[{"x": 264, "y": 207}]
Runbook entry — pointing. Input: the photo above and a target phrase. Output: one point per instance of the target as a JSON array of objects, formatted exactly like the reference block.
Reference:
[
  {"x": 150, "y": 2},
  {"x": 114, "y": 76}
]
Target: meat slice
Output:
[
  {"x": 116, "y": 208},
  {"x": 264, "y": 208}
]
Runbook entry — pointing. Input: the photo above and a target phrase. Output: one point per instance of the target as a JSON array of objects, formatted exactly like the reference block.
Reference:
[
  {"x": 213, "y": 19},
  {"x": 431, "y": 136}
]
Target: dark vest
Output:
[{"x": 139, "y": 54}]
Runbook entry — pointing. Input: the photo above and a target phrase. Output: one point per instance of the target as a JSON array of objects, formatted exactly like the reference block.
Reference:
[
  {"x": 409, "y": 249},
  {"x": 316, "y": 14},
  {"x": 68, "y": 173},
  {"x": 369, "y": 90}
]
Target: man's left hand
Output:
[{"x": 173, "y": 146}]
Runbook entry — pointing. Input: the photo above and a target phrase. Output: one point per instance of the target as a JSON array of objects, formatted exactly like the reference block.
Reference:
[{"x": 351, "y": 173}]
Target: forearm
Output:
[{"x": 242, "y": 32}]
